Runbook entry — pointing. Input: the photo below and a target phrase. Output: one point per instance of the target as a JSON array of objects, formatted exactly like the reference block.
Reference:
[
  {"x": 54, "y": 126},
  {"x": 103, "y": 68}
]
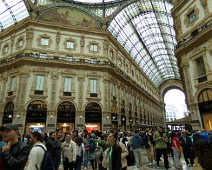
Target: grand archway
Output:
[
  {"x": 93, "y": 116},
  {"x": 36, "y": 116},
  {"x": 8, "y": 113},
  {"x": 66, "y": 116},
  {"x": 205, "y": 107}
]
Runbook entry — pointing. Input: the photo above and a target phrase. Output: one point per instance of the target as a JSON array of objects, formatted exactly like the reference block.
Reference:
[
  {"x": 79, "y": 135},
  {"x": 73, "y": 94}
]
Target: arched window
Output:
[
  {"x": 36, "y": 111},
  {"x": 8, "y": 113},
  {"x": 66, "y": 112}
]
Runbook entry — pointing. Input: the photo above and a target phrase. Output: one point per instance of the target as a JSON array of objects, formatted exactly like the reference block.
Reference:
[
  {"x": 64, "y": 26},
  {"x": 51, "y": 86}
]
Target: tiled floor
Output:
[{"x": 153, "y": 167}]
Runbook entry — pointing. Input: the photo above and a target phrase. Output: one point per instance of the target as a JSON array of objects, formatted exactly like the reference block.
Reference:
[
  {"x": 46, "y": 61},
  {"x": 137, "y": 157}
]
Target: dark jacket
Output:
[
  {"x": 53, "y": 147},
  {"x": 116, "y": 157},
  {"x": 137, "y": 141},
  {"x": 16, "y": 158},
  {"x": 186, "y": 143}
]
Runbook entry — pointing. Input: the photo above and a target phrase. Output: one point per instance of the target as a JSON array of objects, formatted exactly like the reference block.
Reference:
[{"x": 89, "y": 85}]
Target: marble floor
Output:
[{"x": 154, "y": 167}]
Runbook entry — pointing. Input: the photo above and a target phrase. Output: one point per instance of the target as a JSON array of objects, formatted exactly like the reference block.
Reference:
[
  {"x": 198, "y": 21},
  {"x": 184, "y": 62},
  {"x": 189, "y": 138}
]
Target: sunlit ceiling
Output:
[
  {"x": 144, "y": 28},
  {"x": 96, "y": 1},
  {"x": 11, "y": 11}
]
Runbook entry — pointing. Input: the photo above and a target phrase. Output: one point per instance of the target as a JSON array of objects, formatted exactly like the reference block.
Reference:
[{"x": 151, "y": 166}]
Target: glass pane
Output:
[{"x": 11, "y": 11}]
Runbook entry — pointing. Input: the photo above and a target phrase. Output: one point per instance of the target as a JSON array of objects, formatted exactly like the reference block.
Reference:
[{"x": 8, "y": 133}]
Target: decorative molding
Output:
[
  {"x": 5, "y": 49},
  {"x": 178, "y": 26},
  {"x": 20, "y": 42},
  {"x": 38, "y": 97},
  {"x": 204, "y": 4},
  {"x": 186, "y": 20}
]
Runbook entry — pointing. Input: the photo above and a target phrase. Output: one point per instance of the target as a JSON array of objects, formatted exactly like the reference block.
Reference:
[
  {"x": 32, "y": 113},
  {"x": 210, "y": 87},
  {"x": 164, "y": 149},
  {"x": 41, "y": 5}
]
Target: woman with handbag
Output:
[{"x": 176, "y": 149}]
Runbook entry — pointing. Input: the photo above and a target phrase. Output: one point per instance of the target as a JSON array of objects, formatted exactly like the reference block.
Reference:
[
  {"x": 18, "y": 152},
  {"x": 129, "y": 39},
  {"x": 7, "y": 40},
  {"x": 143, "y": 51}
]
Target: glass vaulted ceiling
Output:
[
  {"x": 145, "y": 30},
  {"x": 11, "y": 11},
  {"x": 96, "y": 1}
]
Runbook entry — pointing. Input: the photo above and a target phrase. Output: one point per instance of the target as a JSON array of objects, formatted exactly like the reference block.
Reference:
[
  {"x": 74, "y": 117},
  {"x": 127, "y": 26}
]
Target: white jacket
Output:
[
  {"x": 69, "y": 150},
  {"x": 35, "y": 156}
]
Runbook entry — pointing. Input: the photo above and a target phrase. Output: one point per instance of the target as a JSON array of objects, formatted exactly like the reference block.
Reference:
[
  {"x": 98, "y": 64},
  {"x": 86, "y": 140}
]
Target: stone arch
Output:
[
  {"x": 66, "y": 114},
  {"x": 93, "y": 116},
  {"x": 205, "y": 107},
  {"x": 8, "y": 113},
  {"x": 168, "y": 85},
  {"x": 36, "y": 115}
]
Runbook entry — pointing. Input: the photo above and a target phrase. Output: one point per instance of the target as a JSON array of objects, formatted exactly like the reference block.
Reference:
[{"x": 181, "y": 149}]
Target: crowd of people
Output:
[{"x": 113, "y": 150}]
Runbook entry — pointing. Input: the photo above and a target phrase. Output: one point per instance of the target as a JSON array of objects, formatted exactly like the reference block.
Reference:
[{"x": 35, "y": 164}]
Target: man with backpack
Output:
[{"x": 36, "y": 160}]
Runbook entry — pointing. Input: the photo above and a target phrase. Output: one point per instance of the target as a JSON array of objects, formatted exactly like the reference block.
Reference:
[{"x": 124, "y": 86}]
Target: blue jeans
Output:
[{"x": 85, "y": 158}]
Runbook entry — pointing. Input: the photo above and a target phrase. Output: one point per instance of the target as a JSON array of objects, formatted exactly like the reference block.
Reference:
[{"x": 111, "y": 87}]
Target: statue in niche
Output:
[
  {"x": 82, "y": 41},
  {"x": 204, "y": 3},
  {"x": 106, "y": 45}
]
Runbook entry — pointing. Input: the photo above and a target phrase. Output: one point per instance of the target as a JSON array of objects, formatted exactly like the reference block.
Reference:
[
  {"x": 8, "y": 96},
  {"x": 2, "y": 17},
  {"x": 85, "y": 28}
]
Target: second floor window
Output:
[
  {"x": 39, "y": 83},
  {"x": 192, "y": 16},
  {"x": 93, "y": 47},
  {"x": 12, "y": 84},
  {"x": 200, "y": 66},
  {"x": 44, "y": 41},
  {"x": 93, "y": 86},
  {"x": 67, "y": 84}
]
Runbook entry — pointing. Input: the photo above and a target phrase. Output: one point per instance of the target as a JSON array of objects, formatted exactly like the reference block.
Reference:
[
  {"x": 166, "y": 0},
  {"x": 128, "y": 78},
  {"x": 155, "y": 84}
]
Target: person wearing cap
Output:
[{"x": 14, "y": 153}]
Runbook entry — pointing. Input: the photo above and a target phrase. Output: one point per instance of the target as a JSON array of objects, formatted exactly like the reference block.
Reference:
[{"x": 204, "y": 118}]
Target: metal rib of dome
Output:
[
  {"x": 11, "y": 11},
  {"x": 145, "y": 30},
  {"x": 96, "y": 1}
]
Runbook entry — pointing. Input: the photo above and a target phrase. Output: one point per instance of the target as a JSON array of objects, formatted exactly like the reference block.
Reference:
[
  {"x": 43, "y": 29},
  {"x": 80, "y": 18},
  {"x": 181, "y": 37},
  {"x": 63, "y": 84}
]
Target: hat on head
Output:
[{"x": 9, "y": 127}]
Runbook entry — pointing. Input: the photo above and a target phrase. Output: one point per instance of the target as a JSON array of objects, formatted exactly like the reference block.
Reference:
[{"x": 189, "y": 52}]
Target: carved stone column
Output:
[
  {"x": 80, "y": 90},
  {"x": 29, "y": 37},
  {"x": 196, "y": 116},
  {"x": 54, "y": 78},
  {"x": 22, "y": 86}
]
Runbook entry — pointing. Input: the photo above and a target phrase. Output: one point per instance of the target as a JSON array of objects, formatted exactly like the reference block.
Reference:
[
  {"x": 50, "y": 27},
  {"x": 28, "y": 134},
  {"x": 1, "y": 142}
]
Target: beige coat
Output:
[{"x": 124, "y": 153}]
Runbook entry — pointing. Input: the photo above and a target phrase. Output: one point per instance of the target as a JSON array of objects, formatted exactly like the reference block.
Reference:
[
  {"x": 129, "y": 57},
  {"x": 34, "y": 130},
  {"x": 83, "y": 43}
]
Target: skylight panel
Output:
[{"x": 12, "y": 11}]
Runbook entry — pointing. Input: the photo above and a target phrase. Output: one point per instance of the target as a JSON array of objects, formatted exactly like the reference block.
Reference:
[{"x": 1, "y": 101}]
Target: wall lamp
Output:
[
  {"x": 18, "y": 116},
  {"x": 107, "y": 117},
  {"x": 80, "y": 116},
  {"x": 51, "y": 116}
]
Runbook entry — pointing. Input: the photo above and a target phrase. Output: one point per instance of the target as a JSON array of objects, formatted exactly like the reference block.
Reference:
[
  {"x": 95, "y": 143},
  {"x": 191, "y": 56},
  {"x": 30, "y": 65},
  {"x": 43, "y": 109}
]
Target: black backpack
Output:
[{"x": 47, "y": 162}]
